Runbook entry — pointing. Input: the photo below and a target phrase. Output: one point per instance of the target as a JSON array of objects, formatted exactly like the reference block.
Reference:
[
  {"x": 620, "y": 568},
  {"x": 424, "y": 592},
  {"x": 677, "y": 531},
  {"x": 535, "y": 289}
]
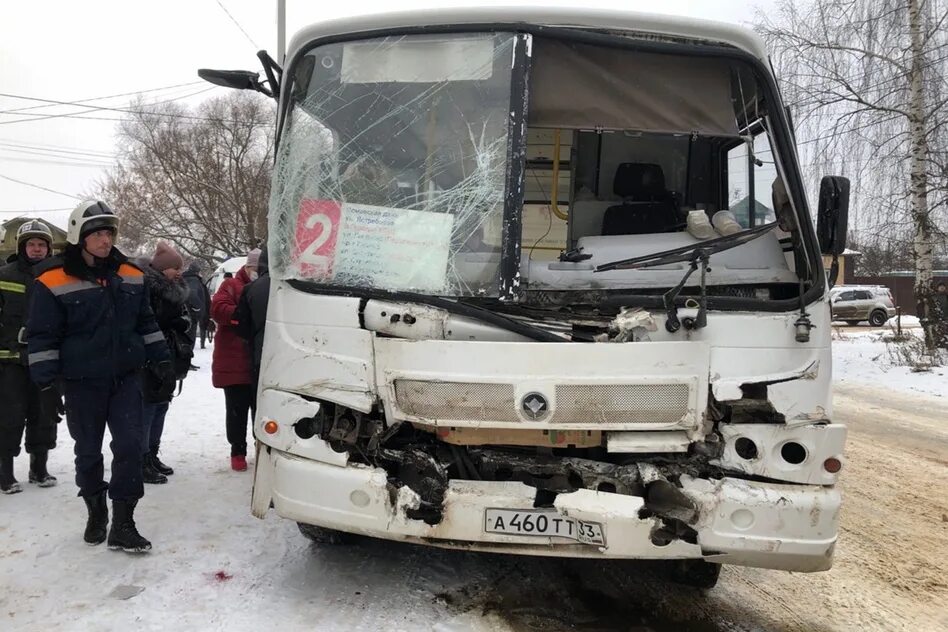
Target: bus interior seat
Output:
[{"x": 647, "y": 207}]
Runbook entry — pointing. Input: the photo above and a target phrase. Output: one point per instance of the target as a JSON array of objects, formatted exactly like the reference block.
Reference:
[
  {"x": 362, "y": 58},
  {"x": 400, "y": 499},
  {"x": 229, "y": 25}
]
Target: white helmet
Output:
[
  {"x": 34, "y": 228},
  {"x": 90, "y": 216}
]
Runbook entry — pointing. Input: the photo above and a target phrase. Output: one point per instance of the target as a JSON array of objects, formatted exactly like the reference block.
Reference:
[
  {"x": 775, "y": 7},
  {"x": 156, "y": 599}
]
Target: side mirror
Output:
[
  {"x": 832, "y": 219},
  {"x": 236, "y": 79}
]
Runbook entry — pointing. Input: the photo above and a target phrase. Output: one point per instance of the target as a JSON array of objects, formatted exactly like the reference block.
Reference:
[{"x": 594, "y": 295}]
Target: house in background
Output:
[
  {"x": 847, "y": 267},
  {"x": 8, "y": 236},
  {"x": 762, "y": 212},
  {"x": 901, "y": 284}
]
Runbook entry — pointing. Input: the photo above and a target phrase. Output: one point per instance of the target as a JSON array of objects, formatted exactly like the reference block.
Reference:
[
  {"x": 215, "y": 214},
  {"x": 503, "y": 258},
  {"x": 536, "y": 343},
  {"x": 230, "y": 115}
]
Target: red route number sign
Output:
[{"x": 317, "y": 229}]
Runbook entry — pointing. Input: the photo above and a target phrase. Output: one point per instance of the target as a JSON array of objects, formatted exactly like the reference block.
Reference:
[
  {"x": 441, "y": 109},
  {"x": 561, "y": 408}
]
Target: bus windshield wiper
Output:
[{"x": 698, "y": 256}]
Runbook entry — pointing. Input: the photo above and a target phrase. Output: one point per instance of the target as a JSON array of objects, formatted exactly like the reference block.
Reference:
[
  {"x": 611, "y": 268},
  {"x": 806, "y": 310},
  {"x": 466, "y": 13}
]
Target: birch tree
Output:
[
  {"x": 199, "y": 178},
  {"x": 866, "y": 81}
]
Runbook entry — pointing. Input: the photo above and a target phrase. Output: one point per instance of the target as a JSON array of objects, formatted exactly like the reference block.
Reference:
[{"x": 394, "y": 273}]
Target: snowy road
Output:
[{"x": 215, "y": 567}]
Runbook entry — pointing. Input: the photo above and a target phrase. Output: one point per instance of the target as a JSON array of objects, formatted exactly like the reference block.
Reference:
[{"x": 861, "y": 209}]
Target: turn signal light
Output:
[
  {"x": 832, "y": 465},
  {"x": 271, "y": 427}
]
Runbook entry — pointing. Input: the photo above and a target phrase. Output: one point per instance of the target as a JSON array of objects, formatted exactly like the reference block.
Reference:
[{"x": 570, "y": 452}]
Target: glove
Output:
[
  {"x": 50, "y": 399},
  {"x": 181, "y": 325},
  {"x": 165, "y": 374}
]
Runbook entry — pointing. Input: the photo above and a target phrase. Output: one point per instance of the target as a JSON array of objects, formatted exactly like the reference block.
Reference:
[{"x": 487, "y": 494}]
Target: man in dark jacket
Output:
[
  {"x": 251, "y": 314},
  {"x": 91, "y": 326},
  {"x": 24, "y": 405},
  {"x": 199, "y": 302}
]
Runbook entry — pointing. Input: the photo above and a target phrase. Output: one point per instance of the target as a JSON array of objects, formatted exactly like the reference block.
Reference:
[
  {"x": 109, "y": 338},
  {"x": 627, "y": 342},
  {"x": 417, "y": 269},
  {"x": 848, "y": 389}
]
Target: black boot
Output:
[
  {"x": 150, "y": 474},
  {"x": 8, "y": 482},
  {"x": 123, "y": 535},
  {"x": 98, "y": 522},
  {"x": 158, "y": 465},
  {"x": 38, "y": 473}
]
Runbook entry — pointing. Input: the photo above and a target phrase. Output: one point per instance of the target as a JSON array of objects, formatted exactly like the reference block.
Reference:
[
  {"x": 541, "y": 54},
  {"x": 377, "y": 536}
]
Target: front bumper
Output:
[{"x": 788, "y": 527}]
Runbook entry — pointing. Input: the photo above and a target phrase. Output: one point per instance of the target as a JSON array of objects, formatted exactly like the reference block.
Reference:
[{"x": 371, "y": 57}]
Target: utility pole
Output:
[{"x": 281, "y": 32}]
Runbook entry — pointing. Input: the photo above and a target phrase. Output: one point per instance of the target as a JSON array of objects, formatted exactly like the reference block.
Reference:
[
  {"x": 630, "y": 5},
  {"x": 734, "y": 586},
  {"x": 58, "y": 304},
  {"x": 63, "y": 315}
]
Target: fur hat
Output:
[
  {"x": 253, "y": 258},
  {"x": 166, "y": 257}
]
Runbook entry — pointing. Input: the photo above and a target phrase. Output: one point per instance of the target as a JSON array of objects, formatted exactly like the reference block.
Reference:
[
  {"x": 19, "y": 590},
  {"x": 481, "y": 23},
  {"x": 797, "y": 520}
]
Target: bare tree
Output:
[
  {"x": 199, "y": 178},
  {"x": 867, "y": 82}
]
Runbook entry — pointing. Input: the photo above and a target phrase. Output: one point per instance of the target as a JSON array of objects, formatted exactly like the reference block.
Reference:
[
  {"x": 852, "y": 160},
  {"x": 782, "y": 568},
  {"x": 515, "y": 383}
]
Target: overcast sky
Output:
[{"x": 66, "y": 50}]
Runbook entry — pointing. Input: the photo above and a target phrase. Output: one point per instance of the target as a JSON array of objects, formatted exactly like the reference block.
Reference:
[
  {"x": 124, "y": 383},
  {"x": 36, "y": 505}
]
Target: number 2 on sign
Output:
[
  {"x": 316, "y": 233},
  {"x": 310, "y": 253}
]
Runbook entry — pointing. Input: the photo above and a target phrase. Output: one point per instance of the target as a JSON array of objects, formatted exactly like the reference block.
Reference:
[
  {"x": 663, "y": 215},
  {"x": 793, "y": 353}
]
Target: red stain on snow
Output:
[{"x": 222, "y": 576}]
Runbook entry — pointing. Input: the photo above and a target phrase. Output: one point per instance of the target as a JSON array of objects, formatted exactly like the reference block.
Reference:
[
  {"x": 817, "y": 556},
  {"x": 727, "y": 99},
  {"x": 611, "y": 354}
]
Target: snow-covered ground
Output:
[
  {"x": 214, "y": 567},
  {"x": 862, "y": 357}
]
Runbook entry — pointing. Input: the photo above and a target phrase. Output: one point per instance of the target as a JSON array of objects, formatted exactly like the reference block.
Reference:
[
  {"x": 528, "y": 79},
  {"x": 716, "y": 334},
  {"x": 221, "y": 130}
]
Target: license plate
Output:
[{"x": 543, "y": 523}]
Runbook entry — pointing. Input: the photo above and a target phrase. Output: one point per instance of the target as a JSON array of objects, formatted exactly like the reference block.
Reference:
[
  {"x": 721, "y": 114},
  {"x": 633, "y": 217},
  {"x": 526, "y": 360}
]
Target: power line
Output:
[
  {"x": 902, "y": 77},
  {"x": 63, "y": 163},
  {"x": 35, "y": 210},
  {"x": 42, "y": 188},
  {"x": 237, "y": 24},
  {"x": 78, "y": 115},
  {"x": 64, "y": 148},
  {"x": 103, "y": 108},
  {"x": 843, "y": 132},
  {"x": 110, "y": 96},
  {"x": 55, "y": 152}
]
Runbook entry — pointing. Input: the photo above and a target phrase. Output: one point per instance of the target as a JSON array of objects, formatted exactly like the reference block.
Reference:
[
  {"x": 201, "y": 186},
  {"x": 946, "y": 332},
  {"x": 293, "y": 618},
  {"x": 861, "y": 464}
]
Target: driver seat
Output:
[{"x": 647, "y": 207}]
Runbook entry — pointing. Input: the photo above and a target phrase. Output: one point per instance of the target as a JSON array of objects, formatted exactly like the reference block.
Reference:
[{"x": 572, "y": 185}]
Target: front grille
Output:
[
  {"x": 621, "y": 403},
  {"x": 586, "y": 404},
  {"x": 462, "y": 401}
]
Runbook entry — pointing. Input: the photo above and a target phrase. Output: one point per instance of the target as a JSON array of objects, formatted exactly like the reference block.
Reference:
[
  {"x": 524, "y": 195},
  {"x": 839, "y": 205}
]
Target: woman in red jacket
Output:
[{"x": 230, "y": 369}]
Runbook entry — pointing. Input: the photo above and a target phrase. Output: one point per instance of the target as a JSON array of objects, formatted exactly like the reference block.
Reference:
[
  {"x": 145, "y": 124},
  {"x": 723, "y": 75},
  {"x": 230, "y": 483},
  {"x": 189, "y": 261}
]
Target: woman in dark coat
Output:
[{"x": 168, "y": 296}]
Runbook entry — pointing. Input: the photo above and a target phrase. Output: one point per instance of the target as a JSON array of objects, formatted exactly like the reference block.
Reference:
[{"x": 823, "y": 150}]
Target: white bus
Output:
[{"x": 545, "y": 282}]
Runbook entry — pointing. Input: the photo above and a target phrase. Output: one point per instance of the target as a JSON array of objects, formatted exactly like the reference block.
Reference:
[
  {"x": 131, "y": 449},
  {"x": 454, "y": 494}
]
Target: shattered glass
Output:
[{"x": 391, "y": 167}]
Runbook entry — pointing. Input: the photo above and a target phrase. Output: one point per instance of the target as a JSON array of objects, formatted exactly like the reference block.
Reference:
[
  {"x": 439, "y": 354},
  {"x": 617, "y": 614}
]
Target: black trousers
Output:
[
  {"x": 25, "y": 407},
  {"x": 239, "y": 400},
  {"x": 93, "y": 404}
]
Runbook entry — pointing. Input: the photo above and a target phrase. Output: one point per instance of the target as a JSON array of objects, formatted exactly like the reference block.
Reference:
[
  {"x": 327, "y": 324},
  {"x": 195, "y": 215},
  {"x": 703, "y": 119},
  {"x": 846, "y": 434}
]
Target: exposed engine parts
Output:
[
  {"x": 417, "y": 460},
  {"x": 632, "y": 324}
]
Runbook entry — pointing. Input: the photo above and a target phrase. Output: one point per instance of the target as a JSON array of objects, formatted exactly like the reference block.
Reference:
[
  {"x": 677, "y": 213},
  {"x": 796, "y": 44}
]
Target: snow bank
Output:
[
  {"x": 862, "y": 358},
  {"x": 908, "y": 322}
]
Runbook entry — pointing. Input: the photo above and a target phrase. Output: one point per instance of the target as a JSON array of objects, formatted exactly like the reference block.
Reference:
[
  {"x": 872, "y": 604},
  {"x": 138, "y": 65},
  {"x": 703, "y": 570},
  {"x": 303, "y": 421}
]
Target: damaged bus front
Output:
[{"x": 545, "y": 282}]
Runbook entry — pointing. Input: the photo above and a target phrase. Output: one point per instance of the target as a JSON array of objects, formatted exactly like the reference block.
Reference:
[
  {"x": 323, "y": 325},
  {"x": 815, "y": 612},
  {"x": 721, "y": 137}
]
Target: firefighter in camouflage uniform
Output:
[{"x": 25, "y": 406}]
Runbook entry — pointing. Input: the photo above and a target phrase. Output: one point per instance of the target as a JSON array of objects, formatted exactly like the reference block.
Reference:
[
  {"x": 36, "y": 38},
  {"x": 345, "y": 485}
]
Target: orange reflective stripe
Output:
[
  {"x": 55, "y": 278},
  {"x": 129, "y": 270}
]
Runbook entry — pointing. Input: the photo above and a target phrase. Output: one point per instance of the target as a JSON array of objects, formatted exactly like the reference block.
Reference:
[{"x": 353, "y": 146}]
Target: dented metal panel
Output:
[
  {"x": 616, "y": 387},
  {"x": 331, "y": 363},
  {"x": 806, "y": 447},
  {"x": 414, "y": 321},
  {"x": 788, "y": 527},
  {"x": 286, "y": 409},
  {"x": 647, "y": 442}
]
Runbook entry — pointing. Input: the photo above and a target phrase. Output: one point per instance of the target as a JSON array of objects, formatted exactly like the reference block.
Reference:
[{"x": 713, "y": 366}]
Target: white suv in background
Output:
[{"x": 856, "y": 303}]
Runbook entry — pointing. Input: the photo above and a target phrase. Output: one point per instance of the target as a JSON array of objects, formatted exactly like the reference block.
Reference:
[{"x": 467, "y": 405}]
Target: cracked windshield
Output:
[{"x": 391, "y": 170}]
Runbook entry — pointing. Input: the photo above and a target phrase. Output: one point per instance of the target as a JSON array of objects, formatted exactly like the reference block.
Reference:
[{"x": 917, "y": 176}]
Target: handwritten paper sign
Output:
[{"x": 375, "y": 246}]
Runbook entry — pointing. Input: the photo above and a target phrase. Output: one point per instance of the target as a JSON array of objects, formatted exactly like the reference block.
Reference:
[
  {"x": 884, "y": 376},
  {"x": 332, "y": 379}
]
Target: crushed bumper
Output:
[{"x": 790, "y": 527}]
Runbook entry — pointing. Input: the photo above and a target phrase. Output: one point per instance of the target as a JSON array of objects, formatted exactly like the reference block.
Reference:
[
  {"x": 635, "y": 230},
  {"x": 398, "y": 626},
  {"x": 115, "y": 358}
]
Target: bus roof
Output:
[{"x": 565, "y": 17}]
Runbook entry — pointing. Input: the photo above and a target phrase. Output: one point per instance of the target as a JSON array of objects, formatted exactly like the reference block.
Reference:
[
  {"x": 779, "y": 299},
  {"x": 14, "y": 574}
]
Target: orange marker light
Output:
[
  {"x": 832, "y": 465},
  {"x": 271, "y": 427}
]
